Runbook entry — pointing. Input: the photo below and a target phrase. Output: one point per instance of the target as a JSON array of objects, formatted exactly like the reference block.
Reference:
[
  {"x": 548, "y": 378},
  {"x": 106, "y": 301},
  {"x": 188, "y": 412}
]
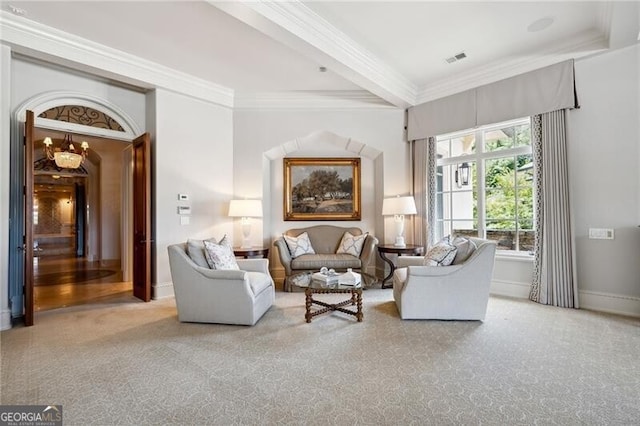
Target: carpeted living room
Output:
[
  {"x": 135, "y": 363},
  {"x": 320, "y": 212}
]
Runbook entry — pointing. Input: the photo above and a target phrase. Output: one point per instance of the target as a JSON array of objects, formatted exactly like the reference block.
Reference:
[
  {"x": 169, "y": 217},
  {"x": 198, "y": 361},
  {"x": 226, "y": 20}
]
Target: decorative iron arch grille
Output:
[{"x": 83, "y": 115}]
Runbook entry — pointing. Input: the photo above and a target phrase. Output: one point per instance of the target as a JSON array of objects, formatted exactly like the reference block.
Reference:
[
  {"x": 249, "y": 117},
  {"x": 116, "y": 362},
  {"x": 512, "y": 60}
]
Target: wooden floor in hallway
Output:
[{"x": 61, "y": 281}]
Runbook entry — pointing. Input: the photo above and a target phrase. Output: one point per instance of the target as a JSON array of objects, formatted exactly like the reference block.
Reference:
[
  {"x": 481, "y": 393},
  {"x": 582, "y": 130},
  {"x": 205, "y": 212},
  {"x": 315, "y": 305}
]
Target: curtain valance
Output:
[{"x": 543, "y": 90}]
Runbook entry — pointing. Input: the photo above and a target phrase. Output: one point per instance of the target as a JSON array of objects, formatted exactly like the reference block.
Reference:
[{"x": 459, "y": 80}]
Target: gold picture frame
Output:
[{"x": 322, "y": 189}]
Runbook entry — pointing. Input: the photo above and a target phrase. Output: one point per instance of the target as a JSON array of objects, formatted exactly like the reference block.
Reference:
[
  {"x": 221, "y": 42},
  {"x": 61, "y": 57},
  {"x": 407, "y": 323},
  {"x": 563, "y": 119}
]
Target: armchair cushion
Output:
[
  {"x": 465, "y": 248},
  {"x": 259, "y": 282},
  {"x": 351, "y": 244},
  {"x": 299, "y": 245},
  {"x": 195, "y": 250}
]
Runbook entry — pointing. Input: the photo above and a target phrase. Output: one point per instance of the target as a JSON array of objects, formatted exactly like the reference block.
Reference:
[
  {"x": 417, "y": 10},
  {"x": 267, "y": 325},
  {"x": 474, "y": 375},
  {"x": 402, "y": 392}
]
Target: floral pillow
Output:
[
  {"x": 441, "y": 254},
  {"x": 299, "y": 245},
  {"x": 220, "y": 256},
  {"x": 351, "y": 244}
]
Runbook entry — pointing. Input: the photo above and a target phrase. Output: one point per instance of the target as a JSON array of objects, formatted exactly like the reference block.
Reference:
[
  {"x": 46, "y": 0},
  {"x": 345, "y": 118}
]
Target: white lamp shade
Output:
[
  {"x": 398, "y": 205},
  {"x": 245, "y": 208}
]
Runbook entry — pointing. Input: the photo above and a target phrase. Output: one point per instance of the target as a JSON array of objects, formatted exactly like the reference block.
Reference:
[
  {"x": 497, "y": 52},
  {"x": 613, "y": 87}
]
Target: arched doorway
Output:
[{"x": 74, "y": 224}]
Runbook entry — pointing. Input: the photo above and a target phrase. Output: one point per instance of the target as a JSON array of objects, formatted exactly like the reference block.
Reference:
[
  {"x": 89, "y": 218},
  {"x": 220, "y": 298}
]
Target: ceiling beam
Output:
[{"x": 298, "y": 27}]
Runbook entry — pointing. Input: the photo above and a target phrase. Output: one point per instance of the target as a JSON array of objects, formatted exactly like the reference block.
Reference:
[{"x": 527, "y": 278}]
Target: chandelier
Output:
[{"x": 65, "y": 155}]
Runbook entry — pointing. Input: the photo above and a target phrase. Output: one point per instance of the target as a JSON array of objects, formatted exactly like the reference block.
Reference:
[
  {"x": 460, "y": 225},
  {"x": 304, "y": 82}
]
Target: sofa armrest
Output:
[
  {"x": 367, "y": 255},
  {"x": 283, "y": 253},
  {"x": 404, "y": 261},
  {"x": 254, "y": 265}
]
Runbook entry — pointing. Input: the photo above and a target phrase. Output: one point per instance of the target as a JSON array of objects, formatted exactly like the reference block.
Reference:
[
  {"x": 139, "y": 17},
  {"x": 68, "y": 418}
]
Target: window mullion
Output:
[{"x": 480, "y": 184}]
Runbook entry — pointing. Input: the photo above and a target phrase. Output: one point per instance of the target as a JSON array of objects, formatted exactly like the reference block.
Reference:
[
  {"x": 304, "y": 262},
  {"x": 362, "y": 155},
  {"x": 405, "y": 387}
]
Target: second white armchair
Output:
[{"x": 456, "y": 292}]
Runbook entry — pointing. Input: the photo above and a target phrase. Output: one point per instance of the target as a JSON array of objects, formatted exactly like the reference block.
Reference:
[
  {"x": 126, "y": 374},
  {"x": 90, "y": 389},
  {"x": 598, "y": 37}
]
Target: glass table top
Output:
[{"x": 307, "y": 281}]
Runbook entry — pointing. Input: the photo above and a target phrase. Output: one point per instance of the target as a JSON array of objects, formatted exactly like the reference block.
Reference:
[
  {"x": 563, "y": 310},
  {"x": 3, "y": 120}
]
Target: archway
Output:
[{"x": 95, "y": 109}]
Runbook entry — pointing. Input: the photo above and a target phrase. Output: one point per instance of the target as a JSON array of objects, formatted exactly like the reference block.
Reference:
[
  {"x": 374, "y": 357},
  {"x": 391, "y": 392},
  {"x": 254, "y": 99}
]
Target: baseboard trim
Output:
[
  {"x": 610, "y": 303},
  {"x": 162, "y": 290},
  {"x": 590, "y": 300},
  {"x": 510, "y": 288},
  {"x": 5, "y": 319}
]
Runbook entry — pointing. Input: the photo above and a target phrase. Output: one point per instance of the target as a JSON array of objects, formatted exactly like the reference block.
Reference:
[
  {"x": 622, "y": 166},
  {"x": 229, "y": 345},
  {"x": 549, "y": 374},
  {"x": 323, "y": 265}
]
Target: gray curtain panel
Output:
[
  {"x": 424, "y": 189},
  {"x": 554, "y": 280}
]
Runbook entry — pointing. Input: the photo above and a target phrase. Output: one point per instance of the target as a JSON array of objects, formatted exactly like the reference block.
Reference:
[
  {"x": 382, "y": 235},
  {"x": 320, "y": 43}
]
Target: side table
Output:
[
  {"x": 409, "y": 250},
  {"x": 251, "y": 252}
]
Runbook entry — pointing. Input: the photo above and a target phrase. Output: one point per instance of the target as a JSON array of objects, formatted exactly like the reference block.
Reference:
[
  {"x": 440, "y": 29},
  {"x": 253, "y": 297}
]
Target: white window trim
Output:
[{"x": 479, "y": 157}]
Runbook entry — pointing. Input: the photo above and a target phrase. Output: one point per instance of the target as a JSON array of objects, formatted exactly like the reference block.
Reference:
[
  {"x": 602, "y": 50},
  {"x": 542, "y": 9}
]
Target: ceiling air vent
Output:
[{"x": 456, "y": 58}]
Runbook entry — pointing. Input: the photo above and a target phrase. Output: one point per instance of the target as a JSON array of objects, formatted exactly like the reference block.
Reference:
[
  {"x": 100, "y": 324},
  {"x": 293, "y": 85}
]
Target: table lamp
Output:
[
  {"x": 245, "y": 209},
  {"x": 398, "y": 207}
]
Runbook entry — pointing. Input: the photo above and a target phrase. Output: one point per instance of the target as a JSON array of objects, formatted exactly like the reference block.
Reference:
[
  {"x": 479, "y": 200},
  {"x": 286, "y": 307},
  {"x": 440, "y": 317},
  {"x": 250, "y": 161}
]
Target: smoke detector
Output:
[{"x": 456, "y": 58}]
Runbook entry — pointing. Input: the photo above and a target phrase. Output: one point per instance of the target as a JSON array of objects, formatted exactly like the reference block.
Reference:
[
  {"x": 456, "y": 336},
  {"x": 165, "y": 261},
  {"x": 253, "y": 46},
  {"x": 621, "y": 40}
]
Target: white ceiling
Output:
[{"x": 395, "y": 50}]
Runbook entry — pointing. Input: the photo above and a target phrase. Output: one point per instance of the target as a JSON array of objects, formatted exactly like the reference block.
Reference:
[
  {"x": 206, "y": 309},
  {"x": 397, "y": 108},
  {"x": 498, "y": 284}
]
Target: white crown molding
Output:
[
  {"x": 583, "y": 45},
  {"x": 40, "y": 41},
  {"x": 352, "y": 99},
  {"x": 310, "y": 34}
]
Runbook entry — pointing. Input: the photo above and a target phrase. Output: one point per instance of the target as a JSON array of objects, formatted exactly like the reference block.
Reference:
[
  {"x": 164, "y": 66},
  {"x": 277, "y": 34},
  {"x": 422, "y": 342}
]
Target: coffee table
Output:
[{"x": 314, "y": 287}]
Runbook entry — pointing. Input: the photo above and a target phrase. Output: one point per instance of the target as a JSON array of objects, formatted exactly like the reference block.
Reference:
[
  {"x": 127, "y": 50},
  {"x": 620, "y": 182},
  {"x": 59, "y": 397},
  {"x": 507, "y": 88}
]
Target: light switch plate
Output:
[{"x": 601, "y": 234}]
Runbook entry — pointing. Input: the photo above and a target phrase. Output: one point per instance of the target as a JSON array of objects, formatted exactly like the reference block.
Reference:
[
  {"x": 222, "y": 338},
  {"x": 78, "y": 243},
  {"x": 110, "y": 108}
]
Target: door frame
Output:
[{"x": 37, "y": 105}]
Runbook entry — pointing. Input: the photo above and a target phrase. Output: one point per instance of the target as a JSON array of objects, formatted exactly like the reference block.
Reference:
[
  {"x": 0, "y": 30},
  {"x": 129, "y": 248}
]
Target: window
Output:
[{"x": 485, "y": 185}]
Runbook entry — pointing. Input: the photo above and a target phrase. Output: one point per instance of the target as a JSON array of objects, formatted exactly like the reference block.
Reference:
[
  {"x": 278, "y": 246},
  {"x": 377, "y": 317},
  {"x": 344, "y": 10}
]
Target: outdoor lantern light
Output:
[{"x": 462, "y": 174}]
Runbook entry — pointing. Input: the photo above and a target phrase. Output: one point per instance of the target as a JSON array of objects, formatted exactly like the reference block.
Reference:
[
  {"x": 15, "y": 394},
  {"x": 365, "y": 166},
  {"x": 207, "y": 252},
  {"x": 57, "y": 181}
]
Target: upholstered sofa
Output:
[
  {"x": 325, "y": 240},
  {"x": 456, "y": 292},
  {"x": 220, "y": 296}
]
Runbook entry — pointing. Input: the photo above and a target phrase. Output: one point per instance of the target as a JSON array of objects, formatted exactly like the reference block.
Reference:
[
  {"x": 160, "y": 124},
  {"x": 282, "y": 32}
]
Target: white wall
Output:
[
  {"x": 193, "y": 148},
  {"x": 33, "y": 78},
  {"x": 257, "y": 132},
  {"x": 604, "y": 157}
]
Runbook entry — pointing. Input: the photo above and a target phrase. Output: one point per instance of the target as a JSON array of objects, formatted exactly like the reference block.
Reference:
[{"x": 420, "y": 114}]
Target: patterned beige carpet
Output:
[{"x": 135, "y": 364}]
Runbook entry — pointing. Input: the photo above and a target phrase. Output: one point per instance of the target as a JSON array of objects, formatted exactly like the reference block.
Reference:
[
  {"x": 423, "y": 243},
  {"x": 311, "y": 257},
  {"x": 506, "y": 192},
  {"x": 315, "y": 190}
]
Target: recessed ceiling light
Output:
[{"x": 540, "y": 24}]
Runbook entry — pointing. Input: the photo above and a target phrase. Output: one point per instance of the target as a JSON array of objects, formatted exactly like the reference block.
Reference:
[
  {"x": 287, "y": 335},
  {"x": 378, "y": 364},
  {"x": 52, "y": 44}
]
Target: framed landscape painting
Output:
[{"x": 322, "y": 189}]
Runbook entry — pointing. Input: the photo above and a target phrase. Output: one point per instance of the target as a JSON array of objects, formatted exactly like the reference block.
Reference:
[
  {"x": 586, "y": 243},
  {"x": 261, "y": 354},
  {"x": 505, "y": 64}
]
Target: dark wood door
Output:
[
  {"x": 28, "y": 219},
  {"x": 142, "y": 217}
]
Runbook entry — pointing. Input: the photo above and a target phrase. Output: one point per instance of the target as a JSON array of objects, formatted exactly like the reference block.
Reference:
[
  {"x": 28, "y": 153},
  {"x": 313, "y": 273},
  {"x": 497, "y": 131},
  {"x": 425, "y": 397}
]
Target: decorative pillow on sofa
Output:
[
  {"x": 441, "y": 254},
  {"x": 351, "y": 244},
  {"x": 299, "y": 245},
  {"x": 195, "y": 250},
  {"x": 465, "y": 248},
  {"x": 220, "y": 256}
]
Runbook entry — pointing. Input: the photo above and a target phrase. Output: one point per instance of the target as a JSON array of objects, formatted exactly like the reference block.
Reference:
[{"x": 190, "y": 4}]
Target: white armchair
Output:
[
  {"x": 456, "y": 292},
  {"x": 220, "y": 296}
]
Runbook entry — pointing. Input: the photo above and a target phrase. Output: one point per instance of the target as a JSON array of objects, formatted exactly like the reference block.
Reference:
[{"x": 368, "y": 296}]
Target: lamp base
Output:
[{"x": 400, "y": 242}]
